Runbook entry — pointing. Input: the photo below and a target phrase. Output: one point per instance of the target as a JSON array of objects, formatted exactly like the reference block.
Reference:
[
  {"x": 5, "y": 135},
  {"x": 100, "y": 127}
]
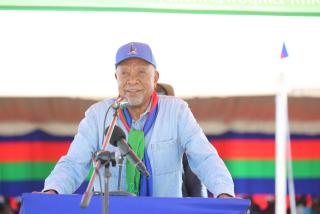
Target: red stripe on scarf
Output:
[{"x": 154, "y": 101}]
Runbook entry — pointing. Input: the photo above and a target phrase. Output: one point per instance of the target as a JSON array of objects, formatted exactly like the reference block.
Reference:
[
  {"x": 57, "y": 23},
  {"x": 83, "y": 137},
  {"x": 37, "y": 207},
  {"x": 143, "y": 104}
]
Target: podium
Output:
[{"x": 69, "y": 204}]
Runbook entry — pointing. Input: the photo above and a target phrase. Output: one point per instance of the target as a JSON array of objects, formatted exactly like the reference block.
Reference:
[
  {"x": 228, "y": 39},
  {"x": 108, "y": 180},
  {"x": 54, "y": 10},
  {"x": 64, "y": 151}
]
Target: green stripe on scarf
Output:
[{"x": 136, "y": 141}]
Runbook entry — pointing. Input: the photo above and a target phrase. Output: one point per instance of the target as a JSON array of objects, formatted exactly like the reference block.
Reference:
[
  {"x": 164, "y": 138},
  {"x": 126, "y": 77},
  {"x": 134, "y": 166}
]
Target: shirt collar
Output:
[{"x": 144, "y": 113}]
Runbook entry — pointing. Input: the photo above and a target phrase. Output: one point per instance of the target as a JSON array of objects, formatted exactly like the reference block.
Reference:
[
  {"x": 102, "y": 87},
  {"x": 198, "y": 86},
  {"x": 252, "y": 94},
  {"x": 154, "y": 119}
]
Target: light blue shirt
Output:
[{"x": 174, "y": 132}]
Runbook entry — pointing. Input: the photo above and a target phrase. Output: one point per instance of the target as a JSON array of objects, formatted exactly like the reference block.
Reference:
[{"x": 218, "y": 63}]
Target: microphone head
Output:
[
  {"x": 120, "y": 102},
  {"x": 117, "y": 135},
  {"x": 123, "y": 103}
]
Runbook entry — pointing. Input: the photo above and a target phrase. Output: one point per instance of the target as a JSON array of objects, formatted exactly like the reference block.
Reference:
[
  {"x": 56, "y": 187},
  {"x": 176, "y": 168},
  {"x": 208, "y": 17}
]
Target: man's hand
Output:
[
  {"x": 224, "y": 195},
  {"x": 49, "y": 191}
]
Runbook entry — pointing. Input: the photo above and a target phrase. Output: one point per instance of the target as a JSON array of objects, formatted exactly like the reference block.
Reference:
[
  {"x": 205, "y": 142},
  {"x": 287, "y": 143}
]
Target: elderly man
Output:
[{"x": 158, "y": 128}]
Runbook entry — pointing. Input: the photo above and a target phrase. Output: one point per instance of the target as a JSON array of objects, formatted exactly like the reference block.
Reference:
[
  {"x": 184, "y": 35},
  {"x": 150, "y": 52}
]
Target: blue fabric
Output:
[
  {"x": 34, "y": 136},
  {"x": 245, "y": 186},
  {"x": 17, "y": 188},
  {"x": 70, "y": 204},
  {"x": 127, "y": 116},
  {"x": 145, "y": 182},
  {"x": 263, "y": 136},
  {"x": 267, "y": 185},
  {"x": 149, "y": 121}
]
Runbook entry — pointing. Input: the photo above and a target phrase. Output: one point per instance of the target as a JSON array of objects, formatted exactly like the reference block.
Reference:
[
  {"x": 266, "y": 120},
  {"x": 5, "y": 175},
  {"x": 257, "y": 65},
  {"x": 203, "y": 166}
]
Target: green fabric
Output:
[
  {"x": 266, "y": 168},
  {"x": 28, "y": 171},
  {"x": 136, "y": 141},
  {"x": 302, "y": 169},
  {"x": 237, "y": 7}
]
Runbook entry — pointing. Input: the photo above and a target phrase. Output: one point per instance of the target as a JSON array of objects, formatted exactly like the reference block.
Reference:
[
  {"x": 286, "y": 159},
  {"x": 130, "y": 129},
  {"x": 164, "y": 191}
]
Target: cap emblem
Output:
[{"x": 132, "y": 51}]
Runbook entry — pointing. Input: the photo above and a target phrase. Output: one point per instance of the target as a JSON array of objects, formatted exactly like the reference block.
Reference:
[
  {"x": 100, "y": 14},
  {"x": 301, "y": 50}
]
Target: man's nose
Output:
[{"x": 133, "y": 78}]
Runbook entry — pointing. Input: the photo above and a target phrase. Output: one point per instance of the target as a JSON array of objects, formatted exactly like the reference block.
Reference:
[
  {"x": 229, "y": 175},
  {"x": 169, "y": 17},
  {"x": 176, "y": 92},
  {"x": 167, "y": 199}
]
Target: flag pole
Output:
[
  {"x": 281, "y": 136},
  {"x": 283, "y": 145},
  {"x": 292, "y": 194}
]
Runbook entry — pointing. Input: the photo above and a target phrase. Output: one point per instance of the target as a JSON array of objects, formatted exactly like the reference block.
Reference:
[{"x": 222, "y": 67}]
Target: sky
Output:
[{"x": 72, "y": 54}]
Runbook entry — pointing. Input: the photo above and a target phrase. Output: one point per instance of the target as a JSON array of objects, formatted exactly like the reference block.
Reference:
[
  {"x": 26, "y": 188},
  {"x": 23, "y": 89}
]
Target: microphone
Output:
[
  {"x": 118, "y": 140},
  {"x": 126, "y": 150},
  {"x": 120, "y": 102}
]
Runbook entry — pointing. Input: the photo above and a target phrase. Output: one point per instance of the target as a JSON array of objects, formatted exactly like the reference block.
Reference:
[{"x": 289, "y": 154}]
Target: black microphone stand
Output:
[
  {"x": 120, "y": 163},
  {"x": 120, "y": 192},
  {"x": 88, "y": 193},
  {"x": 105, "y": 160},
  {"x": 105, "y": 157}
]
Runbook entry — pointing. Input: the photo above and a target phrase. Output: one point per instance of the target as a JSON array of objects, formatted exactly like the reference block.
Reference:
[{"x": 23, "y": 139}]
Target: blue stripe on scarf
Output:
[
  {"x": 145, "y": 182},
  {"x": 127, "y": 117}
]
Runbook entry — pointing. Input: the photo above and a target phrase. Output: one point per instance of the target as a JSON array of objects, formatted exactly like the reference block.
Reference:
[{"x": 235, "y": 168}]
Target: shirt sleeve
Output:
[
  {"x": 202, "y": 156},
  {"x": 72, "y": 169}
]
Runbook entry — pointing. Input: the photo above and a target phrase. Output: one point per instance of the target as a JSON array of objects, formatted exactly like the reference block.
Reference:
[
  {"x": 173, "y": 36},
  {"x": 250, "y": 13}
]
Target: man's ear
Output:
[{"x": 156, "y": 78}]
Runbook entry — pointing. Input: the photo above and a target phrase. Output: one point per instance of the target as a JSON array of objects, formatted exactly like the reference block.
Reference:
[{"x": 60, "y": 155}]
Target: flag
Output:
[{"x": 284, "y": 52}]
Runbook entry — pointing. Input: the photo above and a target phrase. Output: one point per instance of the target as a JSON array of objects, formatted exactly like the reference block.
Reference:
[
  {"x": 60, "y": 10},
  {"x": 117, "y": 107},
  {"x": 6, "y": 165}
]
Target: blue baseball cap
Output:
[{"x": 135, "y": 50}]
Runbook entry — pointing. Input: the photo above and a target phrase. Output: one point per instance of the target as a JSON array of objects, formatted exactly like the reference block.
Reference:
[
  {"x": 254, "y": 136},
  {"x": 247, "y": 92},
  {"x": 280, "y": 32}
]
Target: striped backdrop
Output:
[
  {"x": 31, "y": 144},
  {"x": 26, "y": 160}
]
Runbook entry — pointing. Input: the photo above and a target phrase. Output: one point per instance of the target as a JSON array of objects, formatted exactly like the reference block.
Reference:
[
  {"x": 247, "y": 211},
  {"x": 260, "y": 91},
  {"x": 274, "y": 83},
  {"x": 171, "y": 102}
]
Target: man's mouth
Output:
[{"x": 133, "y": 90}]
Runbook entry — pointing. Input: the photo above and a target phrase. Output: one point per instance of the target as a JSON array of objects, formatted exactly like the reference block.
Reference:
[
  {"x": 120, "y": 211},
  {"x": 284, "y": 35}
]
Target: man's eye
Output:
[{"x": 124, "y": 73}]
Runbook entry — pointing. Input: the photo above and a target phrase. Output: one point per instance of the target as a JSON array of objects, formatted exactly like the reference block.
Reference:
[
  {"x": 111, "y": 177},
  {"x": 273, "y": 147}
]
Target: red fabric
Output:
[
  {"x": 264, "y": 149},
  {"x": 32, "y": 151},
  {"x": 154, "y": 101}
]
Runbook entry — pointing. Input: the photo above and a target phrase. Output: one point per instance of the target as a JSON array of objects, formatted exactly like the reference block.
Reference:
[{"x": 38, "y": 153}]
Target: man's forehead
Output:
[{"x": 134, "y": 62}]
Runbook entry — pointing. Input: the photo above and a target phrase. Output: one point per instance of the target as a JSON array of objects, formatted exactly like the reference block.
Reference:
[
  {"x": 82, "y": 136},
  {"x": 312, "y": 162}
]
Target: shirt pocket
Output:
[{"x": 165, "y": 155}]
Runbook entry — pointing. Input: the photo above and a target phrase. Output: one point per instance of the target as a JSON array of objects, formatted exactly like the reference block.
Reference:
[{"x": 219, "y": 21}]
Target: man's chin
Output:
[{"x": 135, "y": 102}]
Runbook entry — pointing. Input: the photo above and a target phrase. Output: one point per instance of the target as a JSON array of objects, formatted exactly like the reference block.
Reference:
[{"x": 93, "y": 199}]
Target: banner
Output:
[
  {"x": 246, "y": 7},
  {"x": 28, "y": 159}
]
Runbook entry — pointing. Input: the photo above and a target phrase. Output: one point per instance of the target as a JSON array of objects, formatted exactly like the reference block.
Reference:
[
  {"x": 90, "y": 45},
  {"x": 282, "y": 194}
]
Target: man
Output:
[
  {"x": 159, "y": 128},
  {"x": 191, "y": 185}
]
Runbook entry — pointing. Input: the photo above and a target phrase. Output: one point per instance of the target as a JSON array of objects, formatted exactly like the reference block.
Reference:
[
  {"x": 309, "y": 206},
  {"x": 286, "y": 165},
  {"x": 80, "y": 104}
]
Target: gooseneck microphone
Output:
[
  {"x": 118, "y": 139},
  {"x": 120, "y": 102}
]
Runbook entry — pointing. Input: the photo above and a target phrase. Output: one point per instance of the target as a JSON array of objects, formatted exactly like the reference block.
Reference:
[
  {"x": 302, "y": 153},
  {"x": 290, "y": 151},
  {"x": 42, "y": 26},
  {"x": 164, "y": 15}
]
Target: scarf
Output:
[{"x": 135, "y": 182}]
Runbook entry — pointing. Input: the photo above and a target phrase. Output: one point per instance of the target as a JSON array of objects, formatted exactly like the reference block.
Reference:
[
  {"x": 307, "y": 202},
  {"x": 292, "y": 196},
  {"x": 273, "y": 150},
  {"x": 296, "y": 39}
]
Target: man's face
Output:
[{"x": 136, "y": 81}]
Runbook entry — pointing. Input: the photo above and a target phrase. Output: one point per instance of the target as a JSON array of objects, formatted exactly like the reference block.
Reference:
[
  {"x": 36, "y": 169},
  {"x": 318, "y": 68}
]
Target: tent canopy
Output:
[{"x": 63, "y": 53}]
